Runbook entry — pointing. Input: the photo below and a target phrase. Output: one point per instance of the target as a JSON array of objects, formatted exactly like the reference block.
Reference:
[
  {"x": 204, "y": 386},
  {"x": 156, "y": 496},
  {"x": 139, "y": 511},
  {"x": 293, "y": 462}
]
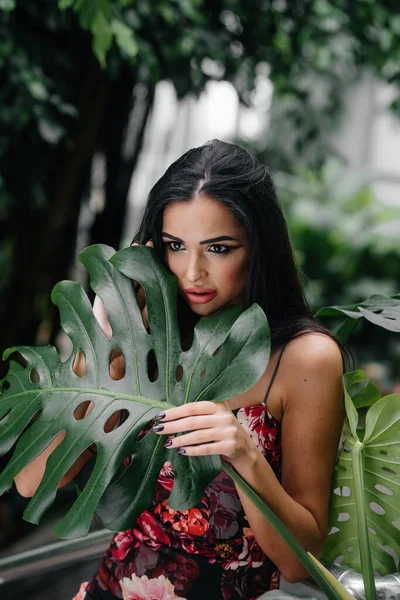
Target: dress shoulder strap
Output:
[{"x": 278, "y": 362}]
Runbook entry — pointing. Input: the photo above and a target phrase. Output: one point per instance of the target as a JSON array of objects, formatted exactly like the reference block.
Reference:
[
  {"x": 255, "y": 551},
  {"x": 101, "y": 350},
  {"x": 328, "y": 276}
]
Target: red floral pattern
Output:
[{"x": 210, "y": 544}]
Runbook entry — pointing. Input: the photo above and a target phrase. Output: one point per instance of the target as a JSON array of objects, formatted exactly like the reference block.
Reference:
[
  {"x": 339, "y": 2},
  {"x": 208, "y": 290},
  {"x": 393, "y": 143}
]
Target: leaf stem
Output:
[
  {"x": 291, "y": 541},
  {"x": 362, "y": 528}
]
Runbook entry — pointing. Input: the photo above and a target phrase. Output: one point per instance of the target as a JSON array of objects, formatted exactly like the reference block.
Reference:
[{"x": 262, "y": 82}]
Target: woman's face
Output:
[{"x": 209, "y": 251}]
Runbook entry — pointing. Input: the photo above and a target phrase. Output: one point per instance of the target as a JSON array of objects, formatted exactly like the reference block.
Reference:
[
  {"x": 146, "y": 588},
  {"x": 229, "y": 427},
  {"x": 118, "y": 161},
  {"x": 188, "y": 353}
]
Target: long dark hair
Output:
[{"x": 230, "y": 174}]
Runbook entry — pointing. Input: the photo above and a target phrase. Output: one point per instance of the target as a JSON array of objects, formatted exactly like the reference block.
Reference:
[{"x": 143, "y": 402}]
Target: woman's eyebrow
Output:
[{"x": 221, "y": 238}]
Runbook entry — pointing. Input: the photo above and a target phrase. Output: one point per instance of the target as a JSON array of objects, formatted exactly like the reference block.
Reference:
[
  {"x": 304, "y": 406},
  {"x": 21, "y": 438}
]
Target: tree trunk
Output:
[
  {"x": 124, "y": 126},
  {"x": 44, "y": 245}
]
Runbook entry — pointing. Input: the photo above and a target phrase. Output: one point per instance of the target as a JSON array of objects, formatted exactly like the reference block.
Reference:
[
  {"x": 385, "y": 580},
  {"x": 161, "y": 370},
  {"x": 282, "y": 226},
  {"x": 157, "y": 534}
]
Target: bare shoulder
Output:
[
  {"x": 313, "y": 365},
  {"x": 312, "y": 351}
]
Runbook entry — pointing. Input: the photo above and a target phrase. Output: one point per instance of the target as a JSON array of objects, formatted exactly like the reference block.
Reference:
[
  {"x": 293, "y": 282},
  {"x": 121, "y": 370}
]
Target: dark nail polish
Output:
[
  {"x": 158, "y": 428},
  {"x": 181, "y": 451},
  {"x": 160, "y": 416},
  {"x": 168, "y": 443}
]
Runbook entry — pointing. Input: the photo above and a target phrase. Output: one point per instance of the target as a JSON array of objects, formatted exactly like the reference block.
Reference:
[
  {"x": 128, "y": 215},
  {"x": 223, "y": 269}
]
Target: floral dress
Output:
[{"x": 207, "y": 551}]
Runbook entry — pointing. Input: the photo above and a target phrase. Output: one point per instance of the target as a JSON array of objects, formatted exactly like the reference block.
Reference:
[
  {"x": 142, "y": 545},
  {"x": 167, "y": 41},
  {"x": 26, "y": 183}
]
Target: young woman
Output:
[{"x": 215, "y": 220}]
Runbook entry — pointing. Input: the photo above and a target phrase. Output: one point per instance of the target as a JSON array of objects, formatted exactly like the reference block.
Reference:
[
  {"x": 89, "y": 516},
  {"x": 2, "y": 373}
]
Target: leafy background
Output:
[{"x": 72, "y": 73}]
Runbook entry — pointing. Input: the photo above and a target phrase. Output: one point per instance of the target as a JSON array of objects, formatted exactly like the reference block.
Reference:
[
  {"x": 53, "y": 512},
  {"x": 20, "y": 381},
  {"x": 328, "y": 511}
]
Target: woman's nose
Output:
[{"x": 195, "y": 270}]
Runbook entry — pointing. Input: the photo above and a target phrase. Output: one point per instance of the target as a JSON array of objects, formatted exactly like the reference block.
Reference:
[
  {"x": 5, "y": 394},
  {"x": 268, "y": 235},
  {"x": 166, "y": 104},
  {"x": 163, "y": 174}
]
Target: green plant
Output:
[
  {"x": 383, "y": 311},
  {"x": 232, "y": 348},
  {"x": 364, "y": 514},
  {"x": 58, "y": 391}
]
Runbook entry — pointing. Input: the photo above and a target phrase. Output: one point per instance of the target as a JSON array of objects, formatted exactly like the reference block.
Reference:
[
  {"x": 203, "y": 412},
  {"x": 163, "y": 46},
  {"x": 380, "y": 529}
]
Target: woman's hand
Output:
[{"x": 206, "y": 428}]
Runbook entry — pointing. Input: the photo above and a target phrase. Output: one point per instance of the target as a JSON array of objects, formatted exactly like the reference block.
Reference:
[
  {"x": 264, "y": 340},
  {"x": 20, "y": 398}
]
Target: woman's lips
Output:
[{"x": 200, "y": 295}]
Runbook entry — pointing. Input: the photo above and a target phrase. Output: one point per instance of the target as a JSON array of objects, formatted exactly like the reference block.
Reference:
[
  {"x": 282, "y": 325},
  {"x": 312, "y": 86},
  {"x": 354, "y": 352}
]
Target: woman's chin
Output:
[{"x": 203, "y": 310}]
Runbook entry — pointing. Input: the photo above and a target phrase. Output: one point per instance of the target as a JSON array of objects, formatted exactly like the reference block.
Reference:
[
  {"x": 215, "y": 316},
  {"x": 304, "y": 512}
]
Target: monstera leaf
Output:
[
  {"x": 365, "y": 506},
  {"x": 229, "y": 353},
  {"x": 383, "y": 311}
]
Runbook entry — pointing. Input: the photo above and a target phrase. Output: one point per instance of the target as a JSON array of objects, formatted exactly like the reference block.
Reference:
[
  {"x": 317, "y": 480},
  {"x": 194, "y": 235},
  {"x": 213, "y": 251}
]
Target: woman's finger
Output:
[
  {"x": 192, "y": 424},
  {"x": 206, "y": 450},
  {"x": 150, "y": 243},
  {"x": 202, "y": 407},
  {"x": 200, "y": 436}
]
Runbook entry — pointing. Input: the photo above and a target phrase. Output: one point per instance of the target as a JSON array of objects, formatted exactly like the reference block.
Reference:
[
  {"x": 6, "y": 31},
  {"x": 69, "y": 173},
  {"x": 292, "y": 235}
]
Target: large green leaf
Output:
[
  {"x": 365, "y": 506},
  {"x": 228, "y": 355}
]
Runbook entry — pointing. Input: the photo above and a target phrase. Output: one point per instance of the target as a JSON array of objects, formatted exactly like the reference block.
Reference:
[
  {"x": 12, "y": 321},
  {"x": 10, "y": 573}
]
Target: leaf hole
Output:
[
  {"x": 333, "y": 530},
  {"x": 217, "y": 350},
  {"x": 79, "y": 366},
  {"x": 146, "y": 430},
  {"x": 117, "y": 365},
  {"x": 346, "y": 491},
  {"x": 343, "y": 517},
  {"x": 56, "y": 373},
  {"x": 339, "y": 559},
  {"x": 4, "y": 416},
  {"x": 186, "y": 325},
  {"x": 142, "y": 304},
  {"x": 383, "y": 489},
  {"x": 391, "y": 553},
  {"x": 34, "y": 376},
  {"x": 376, "y": 508},
  {"x": 203, "y": 373},
  {"x": 152, "y": 367},
  {"x": 396, "y": 524},
  {"x": 17, "y": 357},
  {"x": 387, "y": 470},
  {"x": 337, "y": 491},
  {"x": 93, "y": 450},
  {"x": 179, "y": 373},
  {"x": 116, "y": 420},
  {"x": 350, "y": 549},
  {"x": 83, "y": 410},
  {"x": 34, "y": 418},
  {"x": 372, "y": 530}
]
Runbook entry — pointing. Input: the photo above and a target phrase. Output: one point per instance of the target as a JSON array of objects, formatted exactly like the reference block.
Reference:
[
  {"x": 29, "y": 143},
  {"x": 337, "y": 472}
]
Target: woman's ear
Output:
[{"x": 101, "y": 316}]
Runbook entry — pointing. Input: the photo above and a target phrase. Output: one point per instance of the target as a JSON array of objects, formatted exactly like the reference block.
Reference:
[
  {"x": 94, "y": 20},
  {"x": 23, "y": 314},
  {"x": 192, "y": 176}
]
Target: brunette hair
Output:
[{"x": 230, "y": 174}]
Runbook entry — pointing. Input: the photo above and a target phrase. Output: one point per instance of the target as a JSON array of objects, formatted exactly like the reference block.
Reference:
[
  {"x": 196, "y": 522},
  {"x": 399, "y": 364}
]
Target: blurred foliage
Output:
[
  {"x": 341, "y": 233},
  {"x": 61, "y": 63},
  {"x": 347, "y": 246}
]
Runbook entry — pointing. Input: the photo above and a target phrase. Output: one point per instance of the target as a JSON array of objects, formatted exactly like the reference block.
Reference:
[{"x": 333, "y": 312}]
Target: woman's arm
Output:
[
  {"x": 312, "y": 402},
  {"x": 312, "y": 422}
]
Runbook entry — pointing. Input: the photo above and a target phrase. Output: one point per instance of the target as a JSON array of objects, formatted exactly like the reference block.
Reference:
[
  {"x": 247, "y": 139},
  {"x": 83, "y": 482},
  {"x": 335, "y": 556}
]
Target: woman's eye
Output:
[
  {"x": 219, "y": 248},
  {"x": 175, "y": 246}
]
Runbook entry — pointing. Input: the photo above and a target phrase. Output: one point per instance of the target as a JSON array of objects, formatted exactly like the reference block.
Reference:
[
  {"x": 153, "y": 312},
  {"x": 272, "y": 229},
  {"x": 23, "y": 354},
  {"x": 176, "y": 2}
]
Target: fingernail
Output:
[
  {"x": 168, "y": 443},
  {"x": 158, "y": 428},
  {"x": 160, "y": 416},
  {"x": 181, "y": 451}
]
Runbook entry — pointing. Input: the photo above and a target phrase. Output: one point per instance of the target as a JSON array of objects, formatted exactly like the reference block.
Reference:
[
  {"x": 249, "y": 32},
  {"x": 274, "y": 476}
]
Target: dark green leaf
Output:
[{"x": 243, "y": 342}]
